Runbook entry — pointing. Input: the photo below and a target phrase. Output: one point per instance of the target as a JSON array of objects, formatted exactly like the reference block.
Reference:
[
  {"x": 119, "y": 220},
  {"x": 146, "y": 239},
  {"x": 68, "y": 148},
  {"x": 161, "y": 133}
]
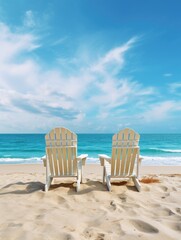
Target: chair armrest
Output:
[
  {"x": 103, "y": 157},
  {"x": 82, "y": 158},
  {"x": 44, "y": 160}
]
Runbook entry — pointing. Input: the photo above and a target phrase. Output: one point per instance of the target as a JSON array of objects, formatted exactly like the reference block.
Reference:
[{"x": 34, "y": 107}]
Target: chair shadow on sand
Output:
[
  {"x": 89, "y": 186},
  {"x": 31, "y": 187},
  {"x": 86, "y": 187},
  {"x": 26, "y": 188}
]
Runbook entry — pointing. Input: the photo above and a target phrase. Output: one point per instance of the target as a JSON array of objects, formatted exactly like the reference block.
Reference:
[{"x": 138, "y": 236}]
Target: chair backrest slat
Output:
[
  {"x": 128, "y": 161},
  {"x": 123, "y": 161},
  {"x": 60, "y": 163},
  {"x": 50, "y": 158},
  {"x": 74, "y": 152},
  {"x": 54, "y": 152},
  {"x": 113, "y": 161},
  {"x": 117, "y": 161},
  {"x": 133, "y": 158}
]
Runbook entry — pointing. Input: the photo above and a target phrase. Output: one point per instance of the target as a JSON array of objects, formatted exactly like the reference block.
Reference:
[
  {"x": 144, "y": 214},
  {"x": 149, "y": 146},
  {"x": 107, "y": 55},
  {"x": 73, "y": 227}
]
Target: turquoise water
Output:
[{"x": 156, "y": 149}]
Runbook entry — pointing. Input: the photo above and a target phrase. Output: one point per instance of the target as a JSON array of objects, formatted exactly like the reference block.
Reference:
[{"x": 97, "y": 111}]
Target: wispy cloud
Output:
[
  {"x": 167, "y": 74},
  {"x": 158, "y": 111},
  {"x": 115, "y": 92},
  {"x": 114, "y": 59},
  {"x": 29, "y": 19},
  {"x": 161, "y": 111},
  {"x": 14, "y": 44},
  {"x": 175, "y": 88},
  {"x": 59, "y": 41}
]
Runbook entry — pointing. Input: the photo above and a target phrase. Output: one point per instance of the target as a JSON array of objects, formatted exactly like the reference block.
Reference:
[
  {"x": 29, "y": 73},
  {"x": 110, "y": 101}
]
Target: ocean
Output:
[{"x": 156, "y": 149}]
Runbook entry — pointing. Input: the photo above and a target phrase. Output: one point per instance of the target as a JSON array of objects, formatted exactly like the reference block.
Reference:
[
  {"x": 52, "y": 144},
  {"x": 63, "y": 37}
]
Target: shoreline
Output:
[
  {"x": 39, "y": 168},
  {"x": 147, "y": 161}
]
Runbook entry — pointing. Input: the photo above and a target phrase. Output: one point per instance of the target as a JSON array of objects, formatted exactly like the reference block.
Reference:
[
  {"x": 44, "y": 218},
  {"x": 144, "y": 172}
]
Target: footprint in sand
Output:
[
  {"x": 15, "y": 225},
  {"x": 100, "y": 236},
  {"x": 175, "y": 226},
  {"x": 123, "y": 197},
  {"x": 69, "y": 237},
  {"x": 113, "y": 204},
  {"x": 174, "y": 189},
  {"x": 165, "y": 189},
  {"x": 91, "y": 235},
  {"x": 144, "y": 227},
  {"x": 178, "y": 210},
  {"x": 163, "y": 211},
  {"x": 88, "y": 234},
  {"x": 165, "y": 195},
  {"x": 146, "y": 189},
  {"x": 168, "y": 212},
  {"x": 60, "y": 200},
  {"x": 40, "y": 216}
]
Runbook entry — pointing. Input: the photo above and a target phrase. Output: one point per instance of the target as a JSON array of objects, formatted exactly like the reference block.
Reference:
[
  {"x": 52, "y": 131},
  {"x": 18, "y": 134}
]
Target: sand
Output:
[{"x": 27, "y": 212}]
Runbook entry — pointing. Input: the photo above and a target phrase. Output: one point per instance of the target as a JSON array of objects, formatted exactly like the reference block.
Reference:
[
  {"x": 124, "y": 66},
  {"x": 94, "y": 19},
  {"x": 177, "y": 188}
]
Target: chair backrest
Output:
[
  {"x": 125, "y": 150},
  {"x": 61, "y": 151}
]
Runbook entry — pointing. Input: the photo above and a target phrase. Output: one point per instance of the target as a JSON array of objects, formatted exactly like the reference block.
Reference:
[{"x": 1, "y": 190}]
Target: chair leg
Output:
[
  {"x": 137, "y": 183},
  {"x": 103, "y": 179},
  {"x": 78, "y": 185},
  {"x": 48, "y": 183},
  {"x": 79, "y": 177},
  {"x": 108, "y": 182},
  {"x": 81, "y": 180},
  {"x": 46, "y": 187}
]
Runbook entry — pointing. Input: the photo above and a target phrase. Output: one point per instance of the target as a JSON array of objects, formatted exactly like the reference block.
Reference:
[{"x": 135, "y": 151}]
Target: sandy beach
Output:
[{"x": 27, "y": 212}]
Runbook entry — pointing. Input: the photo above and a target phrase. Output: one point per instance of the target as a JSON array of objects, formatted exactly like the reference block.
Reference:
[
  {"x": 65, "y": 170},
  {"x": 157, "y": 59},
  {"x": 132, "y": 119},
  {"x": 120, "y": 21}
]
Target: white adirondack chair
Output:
[
  {"x": 125, "y": 159},
  {"x": 61, "y": 158}
]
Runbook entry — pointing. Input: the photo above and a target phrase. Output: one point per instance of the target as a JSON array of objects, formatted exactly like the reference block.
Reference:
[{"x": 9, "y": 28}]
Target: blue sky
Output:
[{"x": 91, "y": 66}]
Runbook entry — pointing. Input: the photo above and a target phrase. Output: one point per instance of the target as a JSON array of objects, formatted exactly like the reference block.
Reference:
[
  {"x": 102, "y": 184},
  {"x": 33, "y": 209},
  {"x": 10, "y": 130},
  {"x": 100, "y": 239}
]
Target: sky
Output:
[{"x": 93, "y": 66}]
